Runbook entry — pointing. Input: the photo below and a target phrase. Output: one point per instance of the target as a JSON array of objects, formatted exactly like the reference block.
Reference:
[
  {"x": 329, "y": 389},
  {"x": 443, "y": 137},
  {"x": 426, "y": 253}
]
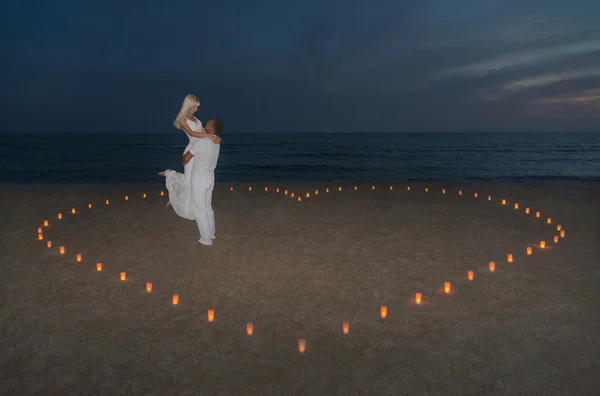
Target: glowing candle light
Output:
[
  {"x": 316, "y": 192},
  {"x": 123, "y": 276},
  {"x": 345, "y": 327},
  {"x": 489, "y": 197},
  {"x": 301, "y": 345},
  {"x": 292, "y": 195},
  {"x": 126, "y": 197},
  {"x": 418, "y": 298},
  {"x": 45, "y": 223},
  {"x": 59, "y": 216},
  {"x": 89, "y": 206},
  {"x": 175, "y": 299},
  {"x": 562, "y": 234},
  {"x": 372, "y": 187},
  {"x": 307, "y": 195},
  {"x": 391, "y": 188},
  {"x": 492, "y": 266},
  {"x": 98, "y": 267},
  {"x": 355, "y": 188},
  {"x": 459, "y": 192},
  {"x": 426, "y": 189},
  {"x": 266, "y": 188},
  {"x": 542, "y": 244},
  {"x": 383, "y": 312},
  {"x": 61, "y": 250},
  {"x": 107, "y": 202},
  {"x": 443, "y": 191},
  {"x": 555, "y": 238},
  {"x": 537, "y": 214},
  {"x": 509, "y": 258},
  {"x": 78, "y": 257},
  {"x": 504, "y": 202},
  {"x": 529, "y": 251},
  {"x": 549, "y": 220},
  {"x": 475, "y": 195},
  {"x": 516, "y": 206},
  {"x": 149, "y": 287},
  {"x": 144, "y": 195},
  {"x": 286, "y": 192},
  {"x": 470, "y": 275},
  {"x": 447, "y": 287},
  {"x": 558, "y": 227},
  {"x": 73, "y": 210},
  {"x": 327, "y": 190},
  {"x": 230, "y": 188},
  {"x": 40, "y": 237},
  {"x": 162, "y": 193},
  {"x": 408, "y": 188},
  {"x": 339, "y": 188},
  {"x": 249, "y": 188},
  {"x": 527, "y": 210},
  {"x": 211, "y": 315},
  {"x": 40, "y": 230},
  {"x": 277, "y": 190},
  {"x": 49, "y": 244},
  {"x": 299, "y": 199},
  {"x": 249, "y": 328}
]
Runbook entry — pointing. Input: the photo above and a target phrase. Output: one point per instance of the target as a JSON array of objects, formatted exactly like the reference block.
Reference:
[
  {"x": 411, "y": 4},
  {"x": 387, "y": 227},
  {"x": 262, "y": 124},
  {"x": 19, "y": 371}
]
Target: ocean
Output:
[{"x": 373, "y": 157}]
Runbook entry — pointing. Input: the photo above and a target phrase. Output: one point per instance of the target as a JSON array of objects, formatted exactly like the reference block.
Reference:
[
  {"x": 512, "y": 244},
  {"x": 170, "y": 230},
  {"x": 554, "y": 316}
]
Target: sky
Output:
[{"x": 312, "y": 66}]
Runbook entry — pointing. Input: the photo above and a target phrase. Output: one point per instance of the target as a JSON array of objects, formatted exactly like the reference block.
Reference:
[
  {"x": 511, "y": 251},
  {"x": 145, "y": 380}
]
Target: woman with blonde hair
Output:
[{"x": 177, "y": 183}]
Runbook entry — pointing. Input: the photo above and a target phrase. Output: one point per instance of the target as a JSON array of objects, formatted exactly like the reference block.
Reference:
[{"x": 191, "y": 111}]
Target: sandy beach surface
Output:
[{"x": 298, "y": 270}]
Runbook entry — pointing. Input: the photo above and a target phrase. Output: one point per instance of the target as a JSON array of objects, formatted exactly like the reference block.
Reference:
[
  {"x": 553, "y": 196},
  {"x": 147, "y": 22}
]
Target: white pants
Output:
[{"x": 203, "y": 184}]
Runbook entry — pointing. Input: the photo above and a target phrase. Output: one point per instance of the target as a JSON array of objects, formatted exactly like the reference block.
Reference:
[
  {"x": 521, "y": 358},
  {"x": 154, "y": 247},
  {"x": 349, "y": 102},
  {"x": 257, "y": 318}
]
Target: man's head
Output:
[{"x": 214, "y": 126}]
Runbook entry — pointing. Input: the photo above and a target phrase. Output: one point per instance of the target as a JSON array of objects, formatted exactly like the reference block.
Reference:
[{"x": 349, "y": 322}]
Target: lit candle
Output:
[
  {"x": 504, "y": 202},
  {"x": 61, "y": 250},
  {"x": 562, "y": 234},
  {"x": 162, "y": 193},
  {"x": 123, "y": 276},
  {"x": 372, "y": 187},
  {"x": 383, "y": 312},
  {"x": 277, "y": 189},
  {"x": 211, "y": 315},
  {"x": 292, "y": 195},
  {"x": 98, "y": 267},
  {"x": 49, "y": 244},
  {"x": 355, "y": 188},
  {"x": 149, "y": 287},
  {"x": 446, "y": 287},
  {"x": 426, "y": 189},
  {"x": 316, "y": 192},
  {"x": 78, "y": 257},
  {"x": 527, "y": 210},
  {"x": 345, "y": 327},
  {"x": 59, "y": 216},
  {"x": 175, "y": 299},
  {"x": 249, "y": 188},
  {"x": 307, "y": 195},
  {"x": 73, "y": 210},
  {"x": 510, "y": 258},
  {"x": 443, "y": 191},
  {"x": 301, "y": 345},
  {"x": 492, "y": 266},
  {"x": 529, "y": 251},
  {"x": 542, "y": 244},
  {"x": 475, "y": 195},
  {"x": 418, "y": 298},
  {"x": 391, "y": 188},
  {"x": 470, "y": 275},
  {"x": 126, "y": 197},
  {"x": 549, "y": 220},
  {"x": 89, "y": 206},
  {"x": 459, "y": 192},
  {"x": 286, "y": 192},
  {"x": 40, "y": 230},
  {"x": 408, "y": 188},
  {"x": 555, "y": 238},
  {"x": 107, "y": 202},
  {"x": 45, "y": 223},
  {"x": 144, "y": 195},
  {"x": 339, "y": 188},
  {"x": 537, "y": 214},
  {"x": 230, "y": 188},
  {"x": 299, "y": 199},
  {"x": 266, "y": 188},
  {"x": 516, "y": 206},
  {"x": 40, "y": 237},
  {"x": 489, "y": 197},
  {"x": 327, "y": 190},
  {"x": 249, "y": 328},
  {"x": 558, "y": 227}
]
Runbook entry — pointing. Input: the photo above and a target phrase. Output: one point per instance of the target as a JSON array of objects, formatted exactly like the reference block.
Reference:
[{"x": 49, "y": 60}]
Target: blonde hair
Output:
[{"x": 189, "y": 102}]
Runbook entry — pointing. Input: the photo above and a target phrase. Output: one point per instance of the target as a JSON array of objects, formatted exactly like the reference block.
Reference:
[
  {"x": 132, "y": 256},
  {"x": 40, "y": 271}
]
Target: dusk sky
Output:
[{"x": 306, "y": 66}]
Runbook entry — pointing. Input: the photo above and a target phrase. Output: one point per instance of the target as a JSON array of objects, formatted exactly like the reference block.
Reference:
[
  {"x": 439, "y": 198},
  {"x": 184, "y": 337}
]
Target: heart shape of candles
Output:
[{"x": 419, "y": 298}]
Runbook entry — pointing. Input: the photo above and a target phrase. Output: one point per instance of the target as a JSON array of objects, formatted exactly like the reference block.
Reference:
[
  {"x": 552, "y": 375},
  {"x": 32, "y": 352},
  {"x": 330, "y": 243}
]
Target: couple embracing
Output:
[{"x": 190, "y": 193}]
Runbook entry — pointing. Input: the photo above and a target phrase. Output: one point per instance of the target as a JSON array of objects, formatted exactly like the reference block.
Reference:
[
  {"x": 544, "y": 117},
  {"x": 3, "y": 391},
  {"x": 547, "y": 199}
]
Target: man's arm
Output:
[{"x": 187, "y": 157}]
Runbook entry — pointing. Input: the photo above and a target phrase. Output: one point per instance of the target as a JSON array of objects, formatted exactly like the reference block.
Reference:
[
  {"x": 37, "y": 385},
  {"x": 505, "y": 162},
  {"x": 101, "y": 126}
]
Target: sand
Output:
[{"x": 298, "y": 270}]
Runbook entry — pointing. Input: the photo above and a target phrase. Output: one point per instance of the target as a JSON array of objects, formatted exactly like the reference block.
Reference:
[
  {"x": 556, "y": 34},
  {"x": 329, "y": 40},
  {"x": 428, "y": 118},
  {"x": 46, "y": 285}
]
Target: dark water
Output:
[{"x": 113, "y": 158}]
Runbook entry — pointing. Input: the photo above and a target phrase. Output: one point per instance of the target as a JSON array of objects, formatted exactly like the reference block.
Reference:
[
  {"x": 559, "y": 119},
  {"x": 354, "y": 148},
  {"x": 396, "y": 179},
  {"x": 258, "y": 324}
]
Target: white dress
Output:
[{"x": 178, "y": 184}]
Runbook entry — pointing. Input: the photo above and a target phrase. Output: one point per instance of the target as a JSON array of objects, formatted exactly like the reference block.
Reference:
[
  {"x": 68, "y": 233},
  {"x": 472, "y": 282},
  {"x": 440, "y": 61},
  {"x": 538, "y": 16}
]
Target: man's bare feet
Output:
[{"x": 168, "y": 204}]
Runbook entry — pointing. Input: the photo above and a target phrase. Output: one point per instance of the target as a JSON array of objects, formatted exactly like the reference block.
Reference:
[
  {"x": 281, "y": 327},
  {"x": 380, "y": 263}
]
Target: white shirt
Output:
[{"x": 206, "y": 155}]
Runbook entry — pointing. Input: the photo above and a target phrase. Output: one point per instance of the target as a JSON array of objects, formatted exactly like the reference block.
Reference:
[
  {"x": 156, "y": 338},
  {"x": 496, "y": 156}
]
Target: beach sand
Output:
[{"x": 298, "y": 270}]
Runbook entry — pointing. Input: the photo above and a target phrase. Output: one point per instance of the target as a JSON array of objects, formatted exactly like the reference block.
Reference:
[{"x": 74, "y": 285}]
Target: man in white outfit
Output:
[{"x": 205, "y": 153}]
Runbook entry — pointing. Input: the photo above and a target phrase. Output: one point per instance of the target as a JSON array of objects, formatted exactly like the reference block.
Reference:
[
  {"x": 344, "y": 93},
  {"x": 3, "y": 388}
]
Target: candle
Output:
[
  {"x": 443, "y": 191},
  {"x": 355, "y": 188},
  {"x": 418, "y": 298},
  {"x": 537, "y": 214},
  {"x": 162, "y": 193},
  {"x": 555, "y": 238},
  {"x": 299, "y": 199},
  {"x": 529, "y": 251},
  {"x": 345, "y": 327},
  {"x": 426, "y": 189},
  {"x": 78, "y": 257},
  {"x": 558, "y": 227},
  {"x": 562, "y": 234},
  {"x": 266, "y": 188},
  {"x": 175, "y": 299},
  {"x": 73, "y": 210},
  {"x": 49, "y": 244},
  {"x": 383, "y": 312},
  {"x": 249, "y": 328},
  {"x": 327, "y": 190},
  {"x": 446, "y": 287},
  {"x": 277, "y": 189},
  {"x": 107, "y": 202},
  {"x": 492, "y": 266},
  {"x": 249, "y": 188},
  {"x": 292, "y": 195},
  {"x": 408, "y": 188},
  {"x": 459, "y": 192},
  {"x": 126, "y": 197},
  {"x": 89, "y": 206},
  {"x": 470, "y": 275},
  {"x": 316, "y": 192},
  {"x": 230, "y": 188},
  {"x": 516, "y": 206},
  {"x": 144, "y": 195},
  {"x": 286, "y": 192},
  {"x": 149, "y": 287},
  {"x": 40, "y": 237},
  {"x": 301, "y": 345},
  {"x": 339, "y": 188},
  {"x": 504, "y": 202},
  {"x": 526, "y": 210},
  {"x": 123, "y": 276},
  {"x": 372, "y": 187},
  {"x": 98, "y": 267},
  {"x": 307, "y": 195},
  {"x": 489, "y": 197},
  {"x": 391, "y": 188},
  {"x": 542, "y": 244},
  {"x": 45, "y": 223},
  {"x": 211, "y": 315},
  {"x": 475, "y": 195},
  {"x": 549, "y": 220},
  {"x": 59, "y": 216},
  {"x": 510, "y": 258},
  {"x": 40, "y": 230},
  {"x": 61, "y": 250}
]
